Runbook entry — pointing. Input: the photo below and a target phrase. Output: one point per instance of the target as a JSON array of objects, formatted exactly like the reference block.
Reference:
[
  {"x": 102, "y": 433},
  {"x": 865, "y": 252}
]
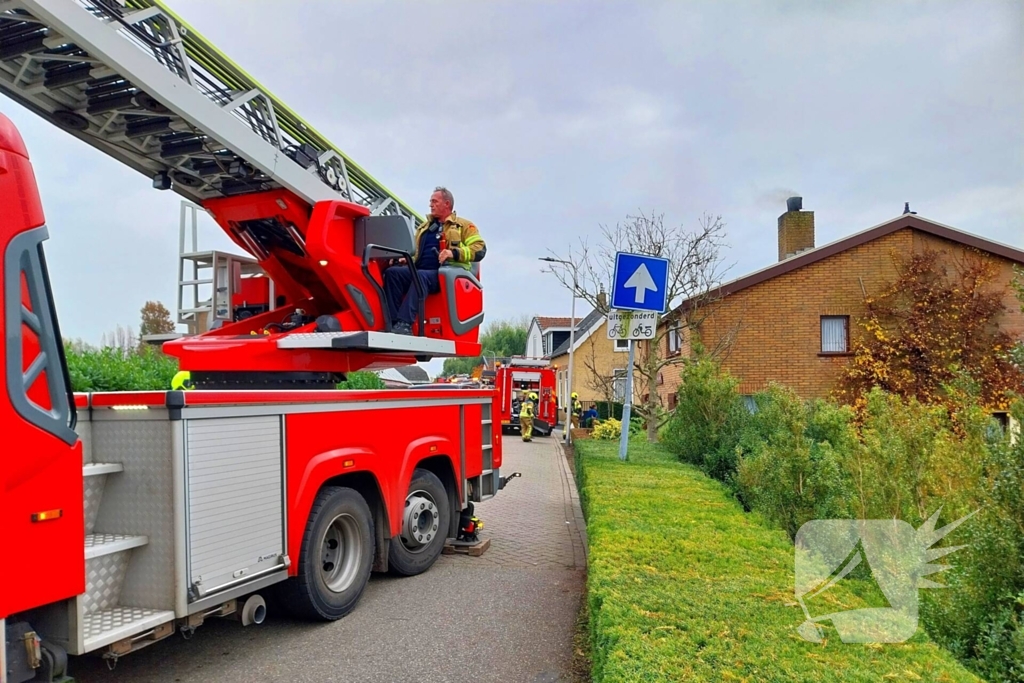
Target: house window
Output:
[
  {"x": 619, "y": 385},
  {"x": 622, "y": 345},
  {"x": 675, "y": 340},
  {"x": 749, "y": 403},
  {"x": 673, "y": 401},
  {"x": 835, "y": 334}
]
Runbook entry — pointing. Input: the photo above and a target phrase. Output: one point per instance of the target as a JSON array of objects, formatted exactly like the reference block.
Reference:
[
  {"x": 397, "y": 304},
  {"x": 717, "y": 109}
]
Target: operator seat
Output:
[{"x": 456, "y": 311}]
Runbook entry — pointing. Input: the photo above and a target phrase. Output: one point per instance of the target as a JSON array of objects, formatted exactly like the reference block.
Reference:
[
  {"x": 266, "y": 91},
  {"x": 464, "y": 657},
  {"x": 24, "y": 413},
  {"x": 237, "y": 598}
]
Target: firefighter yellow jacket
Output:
[
  {"x": 462, "y": 237},
  {"x": 526, "y": 410}
]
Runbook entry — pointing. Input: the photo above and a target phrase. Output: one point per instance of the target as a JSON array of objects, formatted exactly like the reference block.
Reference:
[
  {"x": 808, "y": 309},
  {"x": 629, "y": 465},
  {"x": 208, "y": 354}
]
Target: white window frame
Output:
[
  {"x": 619, "y": 385},
  {"x": 846, "y": 335},
  {"x": 620, "y": 349},
  {"x": 675, "y": 339}
]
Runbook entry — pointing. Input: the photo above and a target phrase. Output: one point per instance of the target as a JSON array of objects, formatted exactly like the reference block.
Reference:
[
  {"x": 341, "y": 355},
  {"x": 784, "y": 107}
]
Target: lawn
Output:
[{"x": 685, "y": 586}]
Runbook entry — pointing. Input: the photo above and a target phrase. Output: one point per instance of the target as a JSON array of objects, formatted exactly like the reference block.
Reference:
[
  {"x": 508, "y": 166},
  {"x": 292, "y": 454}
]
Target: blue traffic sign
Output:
[{"x": 640, "y": 283}]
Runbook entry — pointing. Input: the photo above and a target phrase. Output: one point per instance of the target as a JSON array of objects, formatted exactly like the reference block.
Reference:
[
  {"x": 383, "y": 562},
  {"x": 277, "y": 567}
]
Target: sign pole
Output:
[
  {"x": 626, "y": 405},
  {"x": 572, "y": 352}
]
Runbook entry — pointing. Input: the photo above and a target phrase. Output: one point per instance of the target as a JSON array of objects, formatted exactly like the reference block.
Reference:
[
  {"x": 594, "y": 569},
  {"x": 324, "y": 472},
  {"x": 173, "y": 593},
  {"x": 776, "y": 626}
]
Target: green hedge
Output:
[
  {"x": 683, "y": 585},
  {"x": 608, "y": 410},
  {"x": 110, "y": 369},
  {"x": 147, "y": 369}
]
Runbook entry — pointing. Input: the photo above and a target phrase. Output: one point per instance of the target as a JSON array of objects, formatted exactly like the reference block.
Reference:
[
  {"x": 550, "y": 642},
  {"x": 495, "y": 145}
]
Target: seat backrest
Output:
[{"x": 387, "y": 231}]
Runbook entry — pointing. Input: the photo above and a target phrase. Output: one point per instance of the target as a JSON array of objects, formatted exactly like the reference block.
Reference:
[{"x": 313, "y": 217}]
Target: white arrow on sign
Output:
[{"x": 640, "y": 281}]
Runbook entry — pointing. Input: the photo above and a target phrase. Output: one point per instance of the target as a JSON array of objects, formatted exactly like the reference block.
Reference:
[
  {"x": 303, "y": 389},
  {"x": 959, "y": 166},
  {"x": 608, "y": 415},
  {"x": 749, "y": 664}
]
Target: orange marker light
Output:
[
  {"x": 47, "y": 515},
  {"x": 349, "y": 463}
]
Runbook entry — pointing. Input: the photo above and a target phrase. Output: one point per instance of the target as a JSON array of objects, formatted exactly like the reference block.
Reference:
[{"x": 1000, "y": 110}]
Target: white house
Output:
[{"x": 546, "y": 334}]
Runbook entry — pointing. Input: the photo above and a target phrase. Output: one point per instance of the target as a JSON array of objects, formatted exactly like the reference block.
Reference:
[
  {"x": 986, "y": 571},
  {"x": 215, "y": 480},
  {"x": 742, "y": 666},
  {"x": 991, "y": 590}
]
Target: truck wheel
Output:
[
  {"x": 425, "y": 521},
  {"x": 337, "y": 553}
]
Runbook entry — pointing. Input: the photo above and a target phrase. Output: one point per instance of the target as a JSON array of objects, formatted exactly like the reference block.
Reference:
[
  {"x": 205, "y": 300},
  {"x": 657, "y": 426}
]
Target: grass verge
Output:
[{"x": 683, "y": 585}]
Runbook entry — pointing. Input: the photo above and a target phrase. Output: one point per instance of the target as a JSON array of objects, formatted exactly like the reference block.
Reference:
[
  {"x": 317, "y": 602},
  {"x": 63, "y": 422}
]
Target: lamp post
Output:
[{"x": 572, "y": 343}]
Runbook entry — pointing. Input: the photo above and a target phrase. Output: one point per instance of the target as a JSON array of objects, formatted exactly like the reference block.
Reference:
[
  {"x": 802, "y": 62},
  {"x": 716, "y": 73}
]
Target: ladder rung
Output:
[{"x": 196, "y": 282}]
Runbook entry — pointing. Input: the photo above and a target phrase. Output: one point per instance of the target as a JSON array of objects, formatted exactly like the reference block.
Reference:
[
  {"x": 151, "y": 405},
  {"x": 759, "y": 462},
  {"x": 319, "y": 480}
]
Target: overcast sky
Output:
[{"x": 549, "y": 119}]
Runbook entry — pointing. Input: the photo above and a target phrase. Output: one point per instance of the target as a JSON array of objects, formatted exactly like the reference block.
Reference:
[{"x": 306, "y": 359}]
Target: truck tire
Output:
[
  {"x": 336, "y": 557},
  {"x": 425, "y": 520}
]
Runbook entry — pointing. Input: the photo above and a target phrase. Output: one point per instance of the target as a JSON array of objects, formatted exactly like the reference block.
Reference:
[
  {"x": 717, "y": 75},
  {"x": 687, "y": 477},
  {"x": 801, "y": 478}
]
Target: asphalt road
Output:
[{"x": 506, "y": 616}]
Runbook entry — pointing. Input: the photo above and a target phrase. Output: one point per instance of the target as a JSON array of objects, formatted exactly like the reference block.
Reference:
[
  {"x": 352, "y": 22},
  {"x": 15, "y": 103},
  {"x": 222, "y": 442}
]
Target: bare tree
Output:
[
  {"x": 123, "y": 339},
  {"x": 694, "y": 278},
  {"x": 597, "y": 377}
]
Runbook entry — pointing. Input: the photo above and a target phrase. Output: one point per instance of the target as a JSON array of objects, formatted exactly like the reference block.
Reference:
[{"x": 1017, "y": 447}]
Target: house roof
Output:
[
  {"x": 393, "y": 376},
  {"x": 413, "y": 373},
  {"x": 584, "y": 326},
  {"x": 881, "y": 230},
  {"x": 545, "y": 323}
]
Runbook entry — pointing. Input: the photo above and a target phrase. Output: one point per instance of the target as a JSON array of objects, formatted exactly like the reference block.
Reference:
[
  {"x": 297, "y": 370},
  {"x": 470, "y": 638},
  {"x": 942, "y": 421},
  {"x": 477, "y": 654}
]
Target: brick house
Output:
[{"x": 794, "y": 322}]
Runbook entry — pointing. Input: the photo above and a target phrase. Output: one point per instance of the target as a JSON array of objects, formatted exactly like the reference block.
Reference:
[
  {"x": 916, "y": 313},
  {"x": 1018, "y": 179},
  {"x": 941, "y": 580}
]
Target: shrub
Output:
[
  {"x": 110, "y": 369},
  {"x": 611, "y": 429},
  {"x": 912, "y": 460},
  {"x": 362, "y": 380},
  {"x": 981, "y": 617},
  {"x": 606, "y": 430},
  {"x": 792, "y": 454},
  {"x": 709, "y": 417}
]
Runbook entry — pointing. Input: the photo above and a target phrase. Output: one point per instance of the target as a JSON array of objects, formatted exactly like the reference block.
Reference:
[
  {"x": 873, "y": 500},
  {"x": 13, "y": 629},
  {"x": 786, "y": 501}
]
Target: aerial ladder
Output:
[{"x": 133, "y": 80}]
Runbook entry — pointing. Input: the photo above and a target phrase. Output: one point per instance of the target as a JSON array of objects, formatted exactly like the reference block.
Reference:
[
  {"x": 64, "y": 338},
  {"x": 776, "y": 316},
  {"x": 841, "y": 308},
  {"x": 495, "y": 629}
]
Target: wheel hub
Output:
[
  {"x": 420, "y": 521},
  {"x": 340, "y": 554}
]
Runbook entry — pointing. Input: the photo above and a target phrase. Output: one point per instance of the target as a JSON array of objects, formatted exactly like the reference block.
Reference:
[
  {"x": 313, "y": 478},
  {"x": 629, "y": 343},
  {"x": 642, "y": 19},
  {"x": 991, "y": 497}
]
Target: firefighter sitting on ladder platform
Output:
[{"x": 442, "y": 238}]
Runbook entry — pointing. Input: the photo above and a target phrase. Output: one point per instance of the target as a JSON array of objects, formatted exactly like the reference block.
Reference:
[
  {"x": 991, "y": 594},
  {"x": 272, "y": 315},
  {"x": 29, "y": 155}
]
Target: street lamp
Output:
[{"x": 572, "y": 342}]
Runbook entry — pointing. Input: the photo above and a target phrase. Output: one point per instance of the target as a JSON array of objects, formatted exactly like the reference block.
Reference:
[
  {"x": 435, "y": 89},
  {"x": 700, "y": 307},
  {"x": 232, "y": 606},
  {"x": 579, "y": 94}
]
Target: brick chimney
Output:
[
  {"x": 796, "y": 229},
  {"x": 602, "y": 298}
]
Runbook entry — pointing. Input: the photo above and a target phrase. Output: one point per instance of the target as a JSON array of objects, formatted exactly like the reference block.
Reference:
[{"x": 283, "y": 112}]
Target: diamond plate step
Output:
[
  {"x": 106, "y": 561},
  {"x": 94, "y": 477},
  {"x": 117, "y": 623},
  {"x": 98, "y": 545}
]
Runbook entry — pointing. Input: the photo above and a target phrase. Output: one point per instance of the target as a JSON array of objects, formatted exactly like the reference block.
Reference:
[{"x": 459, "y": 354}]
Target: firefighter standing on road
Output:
[
  {"x": 577, "y": 410},
  {"x": 526, "y": 417}
]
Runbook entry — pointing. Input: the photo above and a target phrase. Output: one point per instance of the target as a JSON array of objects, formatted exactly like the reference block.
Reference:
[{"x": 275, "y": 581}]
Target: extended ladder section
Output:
[{"x": 133, "y": 80}]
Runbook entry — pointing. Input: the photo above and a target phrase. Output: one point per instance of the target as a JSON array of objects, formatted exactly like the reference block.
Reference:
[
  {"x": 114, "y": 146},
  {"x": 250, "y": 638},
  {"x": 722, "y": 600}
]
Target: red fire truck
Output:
[
  {"x": 129, "y": 516},
  {"x": 521, "y": 376}
]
